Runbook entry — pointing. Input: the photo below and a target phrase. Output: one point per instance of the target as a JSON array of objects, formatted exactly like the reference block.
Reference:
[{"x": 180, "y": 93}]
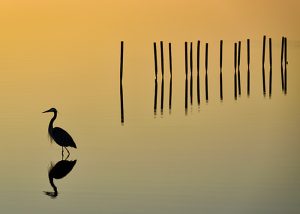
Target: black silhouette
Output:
[
  {"x": 60, "y": 136},
  {"x": 155, "y": 96},
  {"x": 155, "y": 59},
  {"x": 270, "y": 77},
  {"x": 263, "y": 65},
  {"x": 121, "y": 102},
  {"x": 198, "y": 72},
  {"x": 206, "y": 68},
  {"x": 58, "y": 171},
  {"x": 170, "y": 89},
  {"x": 248, "y": 63},
  {"x": 282, "y": 54},
  {"x": 239, "y": 73},
  {"x": 186, "y": 95},
  {"x": 121, "y": 61},
  {"x": 235, "y": 81},
  {"x": 186, "y": 58},
  {"x": 170, "y": 95},
  {"x": 191, "y": 80},
  {"x": 162, "y": 97},
  {"x": 162, "y": 58},
  {"x": 286, "y": 62},
  {"x": 170, "y": 59},
  {"x": 221, "y": 65}
]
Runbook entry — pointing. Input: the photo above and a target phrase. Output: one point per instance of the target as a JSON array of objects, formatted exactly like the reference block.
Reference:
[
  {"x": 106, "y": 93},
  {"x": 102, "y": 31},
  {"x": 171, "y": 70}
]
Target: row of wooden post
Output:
[{"x": 237, "y": 76}]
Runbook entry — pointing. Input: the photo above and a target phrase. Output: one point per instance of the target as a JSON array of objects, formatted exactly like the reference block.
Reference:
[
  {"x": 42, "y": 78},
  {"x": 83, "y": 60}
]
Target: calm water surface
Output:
[{"x": 230, "y": 156}]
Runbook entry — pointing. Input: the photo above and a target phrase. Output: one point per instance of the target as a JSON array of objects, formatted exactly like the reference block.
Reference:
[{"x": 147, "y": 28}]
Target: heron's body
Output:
[
  {"x": 60, "y": 136},
  {"x": 58, "y": 171}
]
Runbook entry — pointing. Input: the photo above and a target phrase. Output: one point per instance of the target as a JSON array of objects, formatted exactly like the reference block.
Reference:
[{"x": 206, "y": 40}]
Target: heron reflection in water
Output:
[
  {"x": 58, "y": 171},
  {"x": 60, "y": 136}
]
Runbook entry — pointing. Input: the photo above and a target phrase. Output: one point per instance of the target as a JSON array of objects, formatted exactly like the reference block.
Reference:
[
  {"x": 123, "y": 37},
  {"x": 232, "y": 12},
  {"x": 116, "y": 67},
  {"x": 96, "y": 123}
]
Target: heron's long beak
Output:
[{"x": 46, "y": 111}]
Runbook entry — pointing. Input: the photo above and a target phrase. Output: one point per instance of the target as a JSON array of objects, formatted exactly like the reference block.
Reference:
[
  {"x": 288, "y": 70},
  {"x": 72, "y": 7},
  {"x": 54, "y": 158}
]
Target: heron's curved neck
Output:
[{"x": 51, "y": 122}]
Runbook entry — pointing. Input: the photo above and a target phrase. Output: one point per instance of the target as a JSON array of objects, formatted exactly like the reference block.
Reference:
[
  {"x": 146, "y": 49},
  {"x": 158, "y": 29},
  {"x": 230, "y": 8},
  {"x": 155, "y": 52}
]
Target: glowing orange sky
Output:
[{"x": 116, "y": 19}]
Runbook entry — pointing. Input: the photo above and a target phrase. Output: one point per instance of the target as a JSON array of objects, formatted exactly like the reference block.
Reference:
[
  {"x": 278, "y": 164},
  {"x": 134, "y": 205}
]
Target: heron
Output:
[
  {"x": 60, "y": 136},
  {"x": 58, "y": 171}
]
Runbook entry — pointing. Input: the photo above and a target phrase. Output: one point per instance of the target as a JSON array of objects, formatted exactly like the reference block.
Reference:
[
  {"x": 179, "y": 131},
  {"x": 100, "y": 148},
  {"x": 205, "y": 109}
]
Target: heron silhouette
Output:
[
  {"x": 58, "y": 171},
  {"x": 60, "y": 136}
]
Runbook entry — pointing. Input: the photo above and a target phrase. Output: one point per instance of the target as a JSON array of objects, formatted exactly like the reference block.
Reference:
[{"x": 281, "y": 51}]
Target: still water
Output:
[{"x": 230, "y": 156}]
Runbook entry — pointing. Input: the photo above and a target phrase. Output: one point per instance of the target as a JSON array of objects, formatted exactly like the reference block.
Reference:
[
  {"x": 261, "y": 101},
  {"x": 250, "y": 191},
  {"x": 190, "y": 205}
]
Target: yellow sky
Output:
[{"x": 65, "y": 19}]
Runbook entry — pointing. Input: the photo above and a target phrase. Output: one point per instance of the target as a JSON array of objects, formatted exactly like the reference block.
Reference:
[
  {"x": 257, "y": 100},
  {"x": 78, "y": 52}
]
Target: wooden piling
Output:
[
  {"x": 282, "y": 54},
  {"x": 248, "y": 53},
  {"x": 263, "y": 65},
  {"x": 162, "y": 58},
  {"x": 186, "y": 57},
  {"x": 270, "y": 77},
  {"x": 121, "y": 61},
  {"x": 198, "y": 56},
  {"x": 264, "y": 48},
  {"x": 155, "y": 59},
  {"x": 248, "y": 66},
  {"x": 198, "y": 72},
  {"x": 206, "y": 57},
  {"x": 191, "y": 57},
  {"x": 235, "y": 61},
  {"x": 285, "y": 65},
  {"x": 206, "y": 69},
  {"x": 239, "y": 73},
  {"x": 170, "y": 59},
  {"x": 221, "y": 65}
]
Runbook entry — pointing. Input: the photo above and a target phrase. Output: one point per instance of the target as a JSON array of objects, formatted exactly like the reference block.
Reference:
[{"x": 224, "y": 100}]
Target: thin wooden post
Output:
[
  {"x": 221, "y": 65},
  {"x": 239, "y": 73},
  {"x": 206, "y": 69},
  {"x": 186, "y": 57},
  {"x": 263, "y": 65},
  {"x": 198, "y": 72},
  {"x": 121, "y": 61},
  {"x": 270, "y": 77},
  {"x": 235, "y": 79},
  {"x": 155, "y": 59},
  {"x": 170, "y": 58},
  {"x": 282, "y": 53},
  {"x": 285, "y": 64},
  {"x": 162, "y": 58}
]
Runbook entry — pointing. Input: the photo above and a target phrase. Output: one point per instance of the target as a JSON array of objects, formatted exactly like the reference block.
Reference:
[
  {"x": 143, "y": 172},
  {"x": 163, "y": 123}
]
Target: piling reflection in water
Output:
[
  {"x": 189, "y": 59},
  {"x": 186, "y": 95},
  {"x": 122, "y": 103},
  {"x": 155, "y": 96},
  {"x": 170, "y": 96},
  {"x": 162, "y": 98},
  {"x": 58, "y": 171}
]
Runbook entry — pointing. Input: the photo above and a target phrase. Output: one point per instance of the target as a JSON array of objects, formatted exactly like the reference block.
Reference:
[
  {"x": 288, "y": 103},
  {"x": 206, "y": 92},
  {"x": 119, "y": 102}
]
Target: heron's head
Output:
[{"x": 51, "y": 110}]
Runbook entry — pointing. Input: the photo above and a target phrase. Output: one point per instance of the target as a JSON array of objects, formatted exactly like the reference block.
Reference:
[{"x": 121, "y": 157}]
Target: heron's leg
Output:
[
  {"x": 67, "y": 150},
  {"x": 62, "y": 151}
]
